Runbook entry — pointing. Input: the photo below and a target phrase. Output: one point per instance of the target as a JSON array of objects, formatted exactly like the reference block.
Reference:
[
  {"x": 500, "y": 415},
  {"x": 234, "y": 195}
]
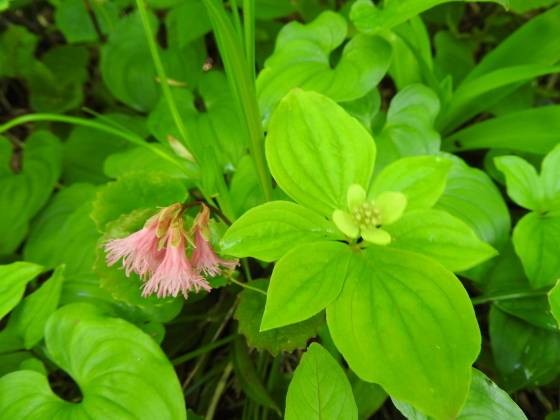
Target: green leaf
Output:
[
  {"x": 304, "y": 282},
  {"x": 475, "y": 96},
  {"x": 301, "y": 59},
  {"x": 53, "y": 227},
  {"x": 364, "y": 109},
  {"x": 17, "y": 46},
  {"x": 369, "y": 397},
  {"x": 406, "y": 323},
  {"x": 438, "y": 235},
  {"x": 454, "y": 56},
  {"x": 137, "y": 382},
  {"x": 522, "y": 6},
  {"x": 136, "y": 191},
  {"x": 138, "y": 158},
  {"x": 511, "y": 131},
  {"x": 488, "y": 218},
  {"x": 127, "y": 68},
  {"x": 536, "y": 42},
  {"x": 421, "y": 178},
  {"x": 409, "y": 130},
  {"x": 522, "y": 180},
  {"x": 249, "y": 313},
  {"x": 247, "y": 375},
  {"x": 485, "y": 401},
  {"x": 23, "y": 194},
  {"x": 14, "y": 277},
  {"x": 269, "y": 231},
  {"x": 534, "y": 310},
  {"x": 316, "y": 381},
  {"x": 244, "y": 187},
  {"x": 30, "y": 316},
  {"x": 525, "y": 356},
  {"x": 192, "y": 11},
  {"x": 75, "y": 22},
  {"x": 315, "y": 151},
  {"x": 97, "y": 146},
  {"x": 554, "y": 301},
  {"x": 537, "y": 242},
  {"x": 550, "y": 172},
  {"x": 216, "y": 124},
  {"x": 370, "y": 19}
]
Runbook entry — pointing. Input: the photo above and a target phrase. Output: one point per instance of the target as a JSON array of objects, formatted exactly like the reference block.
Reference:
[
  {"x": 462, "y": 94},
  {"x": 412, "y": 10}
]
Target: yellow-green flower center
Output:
[{"x": 366, "y": 215}]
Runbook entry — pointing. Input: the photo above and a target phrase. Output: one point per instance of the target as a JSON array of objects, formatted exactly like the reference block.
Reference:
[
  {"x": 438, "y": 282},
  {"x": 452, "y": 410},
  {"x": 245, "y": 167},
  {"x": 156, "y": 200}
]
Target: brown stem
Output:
[{"x": 211, "y": 207}]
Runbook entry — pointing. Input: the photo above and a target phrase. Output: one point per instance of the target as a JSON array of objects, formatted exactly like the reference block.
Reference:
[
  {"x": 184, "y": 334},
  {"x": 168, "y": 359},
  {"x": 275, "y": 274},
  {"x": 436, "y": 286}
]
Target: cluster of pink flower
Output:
[{"x": 158, "y": 253}]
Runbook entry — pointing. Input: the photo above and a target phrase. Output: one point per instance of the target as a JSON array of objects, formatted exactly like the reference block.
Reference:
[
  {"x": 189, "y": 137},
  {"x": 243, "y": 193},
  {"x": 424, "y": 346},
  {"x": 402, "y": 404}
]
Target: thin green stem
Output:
[
  {"x": 245, "y": 286},
  {"x": 509, "y": 296},
  {"x": 246, "y": 269},
  {"x": 163, "y": 78},
  {"x": 202, "y": 350},
  {"x": 236, "y": 18},
  {"x": 249, "y": 32},
  {"x": 218, "y": 392},
  {"x": 99, "y": 126}
]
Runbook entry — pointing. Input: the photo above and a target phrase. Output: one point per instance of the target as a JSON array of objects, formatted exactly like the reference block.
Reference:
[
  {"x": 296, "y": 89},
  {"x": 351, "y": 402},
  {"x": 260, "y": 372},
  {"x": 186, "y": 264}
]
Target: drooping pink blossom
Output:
[
  {"x": 203, "y": 256},
  {"x": 175, "y": 273},
  {"x": 139, "y": 252}
]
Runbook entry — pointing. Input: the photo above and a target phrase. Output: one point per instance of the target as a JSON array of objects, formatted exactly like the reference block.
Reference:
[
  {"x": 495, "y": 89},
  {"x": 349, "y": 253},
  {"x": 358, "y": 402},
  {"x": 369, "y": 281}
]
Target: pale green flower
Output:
[{"x": 366, "y": 218}]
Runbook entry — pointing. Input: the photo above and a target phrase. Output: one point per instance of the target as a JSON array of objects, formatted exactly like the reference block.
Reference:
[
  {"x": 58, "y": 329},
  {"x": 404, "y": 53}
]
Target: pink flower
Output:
[
  {"x": 175, "y": 272},
  {"x": 203, "y": 256},
  {"x": 139, "y": 252}
]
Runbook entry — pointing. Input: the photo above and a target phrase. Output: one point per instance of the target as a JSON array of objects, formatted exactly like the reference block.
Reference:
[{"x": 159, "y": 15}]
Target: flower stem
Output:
[
  {"x": 245, "y": 286},
  {"x": 479, "y": 300},
  {"x": 202, "y": 350},
  {"x": 215, "y": 210}
]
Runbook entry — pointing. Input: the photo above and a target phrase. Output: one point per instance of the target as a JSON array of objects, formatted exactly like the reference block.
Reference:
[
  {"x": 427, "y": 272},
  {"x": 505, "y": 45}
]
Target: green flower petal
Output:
[
  {"x": 391, "y": 206},
  {"x": 376, "y": 236},
  {"x": 344, "y": 222},
  {"x": 356, "y": 195}
]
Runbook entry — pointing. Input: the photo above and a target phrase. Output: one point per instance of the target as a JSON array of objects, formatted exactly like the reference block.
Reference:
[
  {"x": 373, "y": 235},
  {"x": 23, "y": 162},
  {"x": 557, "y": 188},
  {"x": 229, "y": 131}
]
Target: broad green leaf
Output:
[
  {"x": 535, "y": 130},
  {"x": 520, "y": 99},
  {"x": 136, "y": 191},
  {"x": 439, "y": 235},
  {"x": 536, "y": 42},
  {"x": 87, "y": 289},
  {"x": 554, "y": 301},
  {"x": 315, "y": 151},
  {"x": 369, "y": 397},
  {"x": 550, "y": 174},
  {"x": 247, "y": 375},
  {"x": 525, "y": 356},
  {"x": 97, "y": 145},
  {"x": 319, "y": 389},
  {"x": 134, "y": 383},
  {"x": 13, "y": 279},
  {"x": 30, "y": 316},
  {"x": 269, "y": 231},
  {"x": 114, "y": 279},
  {"x": 23, "y": 194},
  {"x": 489, "y": 218},
  {"x": 534, "y": 310},
  {"x": 485, "y": 401},
  {"x": 454, "y": 56},
  {"x": 475, "y": 96},
  {"x": 249, "y": 313},
  {"x": 304, "y": 282},
  {"x": 406, "y": 323},
  {"x": 244, "y": 187},
  {"x": 56, "y": 81},
  {"x": 537, "y": 242},
  {"x": 370, "y": 18},
  {"x": 75, "y": 22},
  {"x": 48, "y": 229},
  {"x": 522, "y": 180},
  {"x": 421, "y": 178},
  {"x": 301, "y": 59},
  {"x": 212, "y": 120},
  {"x": 138, "y": 158},
  {"x": 127, "y": 68},
  {"x": 364, "y": 109},
  {"x": 192, "y": 11},
  {"x": 17, "y": 46},
  {"x": 521, "y": 6},
  {"x": 409, "y": 128},
  {"x": 272, "y": 9}
]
